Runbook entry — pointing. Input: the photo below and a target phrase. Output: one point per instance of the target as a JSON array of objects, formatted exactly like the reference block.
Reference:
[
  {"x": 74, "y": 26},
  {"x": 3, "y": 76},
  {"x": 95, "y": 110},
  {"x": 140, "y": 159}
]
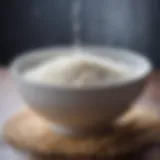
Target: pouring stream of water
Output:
[{"x": 76, "y": 26}]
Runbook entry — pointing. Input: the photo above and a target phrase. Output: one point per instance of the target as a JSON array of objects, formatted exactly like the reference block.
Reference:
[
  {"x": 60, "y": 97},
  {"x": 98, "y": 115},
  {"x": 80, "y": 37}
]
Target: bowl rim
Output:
[{"x": 120, "y": 83}]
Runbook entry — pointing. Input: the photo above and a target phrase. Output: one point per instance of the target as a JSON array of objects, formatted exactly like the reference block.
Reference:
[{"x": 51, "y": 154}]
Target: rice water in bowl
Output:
[{"x": 80, "y": 91}]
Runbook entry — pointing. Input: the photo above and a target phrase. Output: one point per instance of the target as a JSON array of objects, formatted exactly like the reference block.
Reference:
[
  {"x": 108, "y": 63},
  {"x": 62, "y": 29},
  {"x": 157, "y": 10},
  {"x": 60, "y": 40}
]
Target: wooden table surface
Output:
[{"x": 10, "y": 102}]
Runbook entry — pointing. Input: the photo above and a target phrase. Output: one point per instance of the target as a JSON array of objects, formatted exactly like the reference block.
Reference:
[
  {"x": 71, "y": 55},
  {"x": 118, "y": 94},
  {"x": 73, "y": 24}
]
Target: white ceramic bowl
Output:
[{"x": 78, "y": 110}]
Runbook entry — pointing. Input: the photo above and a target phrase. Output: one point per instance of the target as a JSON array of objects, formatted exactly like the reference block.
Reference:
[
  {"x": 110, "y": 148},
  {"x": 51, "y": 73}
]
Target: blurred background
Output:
[{"x": 28, "y": 24}]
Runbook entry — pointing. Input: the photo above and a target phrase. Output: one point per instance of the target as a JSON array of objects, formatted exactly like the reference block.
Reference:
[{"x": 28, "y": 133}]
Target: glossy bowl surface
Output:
[{"x": 81, "y": 109}]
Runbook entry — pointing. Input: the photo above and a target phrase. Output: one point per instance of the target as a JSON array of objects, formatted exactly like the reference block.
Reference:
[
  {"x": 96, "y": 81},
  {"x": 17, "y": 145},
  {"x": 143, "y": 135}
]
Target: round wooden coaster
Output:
[{"x": 28, "y": 131}]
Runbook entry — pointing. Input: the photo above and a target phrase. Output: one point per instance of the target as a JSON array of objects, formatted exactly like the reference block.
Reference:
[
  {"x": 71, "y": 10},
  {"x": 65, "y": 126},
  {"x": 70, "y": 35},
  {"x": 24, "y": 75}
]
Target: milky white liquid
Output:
[{"x": 77, "y": 70}]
